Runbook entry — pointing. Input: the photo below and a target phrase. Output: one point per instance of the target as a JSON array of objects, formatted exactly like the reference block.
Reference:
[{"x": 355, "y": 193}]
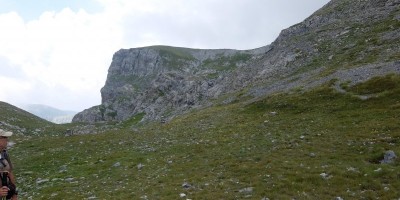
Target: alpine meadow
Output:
[{"x": 313, "y": 115}]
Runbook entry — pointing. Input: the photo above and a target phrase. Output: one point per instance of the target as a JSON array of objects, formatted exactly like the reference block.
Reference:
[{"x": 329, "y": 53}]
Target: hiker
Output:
[{"x": 8, "y": 188}]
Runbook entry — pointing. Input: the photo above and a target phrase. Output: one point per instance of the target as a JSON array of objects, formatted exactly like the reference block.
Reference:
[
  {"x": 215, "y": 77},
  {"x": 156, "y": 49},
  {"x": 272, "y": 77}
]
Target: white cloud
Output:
[
  {"x": 61, "y": 58},
  {"x": 65, "y": 50}
]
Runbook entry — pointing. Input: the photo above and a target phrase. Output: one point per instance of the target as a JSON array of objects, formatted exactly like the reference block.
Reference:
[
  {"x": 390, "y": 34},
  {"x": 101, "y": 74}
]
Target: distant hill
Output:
[
  {"x": 20, "y": 121},
  {"x": 50, "y": 113}
]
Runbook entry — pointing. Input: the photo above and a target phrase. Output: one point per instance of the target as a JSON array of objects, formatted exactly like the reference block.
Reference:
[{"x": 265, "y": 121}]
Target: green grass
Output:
[
  {"x": 175, "y": 57},
  {"x": 225, "y": 63},
  {"x": 278, "y": 146},
  {"x": 378, "y": 85},
  {"x": 177, "y": 52},
  {"x": 133, "y": 120}
]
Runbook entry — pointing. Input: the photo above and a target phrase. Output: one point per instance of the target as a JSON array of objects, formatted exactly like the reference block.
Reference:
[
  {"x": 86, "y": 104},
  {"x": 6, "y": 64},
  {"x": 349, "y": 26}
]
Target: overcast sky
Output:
[{"x": 57, "y": 53}]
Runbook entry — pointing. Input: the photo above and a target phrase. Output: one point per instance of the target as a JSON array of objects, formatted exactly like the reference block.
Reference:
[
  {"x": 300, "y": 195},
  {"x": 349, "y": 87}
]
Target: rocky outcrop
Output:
[
  {"x": 354, "y": 37},
  {"x": 342, "y": 35}
]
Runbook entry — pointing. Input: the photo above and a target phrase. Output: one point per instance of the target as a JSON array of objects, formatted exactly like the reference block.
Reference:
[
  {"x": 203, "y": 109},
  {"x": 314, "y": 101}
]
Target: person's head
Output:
[{"x": 4, "y": 138}]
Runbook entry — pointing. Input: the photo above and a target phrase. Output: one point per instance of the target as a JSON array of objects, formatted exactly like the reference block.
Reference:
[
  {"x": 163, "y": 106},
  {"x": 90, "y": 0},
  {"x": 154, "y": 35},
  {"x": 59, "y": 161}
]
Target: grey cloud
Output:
[{"x": 238, "y": 24}]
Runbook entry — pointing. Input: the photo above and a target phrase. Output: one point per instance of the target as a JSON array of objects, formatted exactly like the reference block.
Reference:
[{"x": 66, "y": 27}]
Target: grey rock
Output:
[
  {"x": 69, "y": 179},
  {"x": 246, "y": 190},
  {"x": 140, "y": 166},
  {"x": 117, "y": 164},
  {"x": 186, "y": 185},
  {"x": 63, "y": 168},
  {"x": 325, "y": 176},
  {"x": 40, "y": 181},
  {"x": 388, "y": 157}
]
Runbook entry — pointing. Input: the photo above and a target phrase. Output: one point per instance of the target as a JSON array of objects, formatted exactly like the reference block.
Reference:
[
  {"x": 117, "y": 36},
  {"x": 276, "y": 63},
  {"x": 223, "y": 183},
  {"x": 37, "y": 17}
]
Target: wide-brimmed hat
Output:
[{"x": 4, "y": 133}]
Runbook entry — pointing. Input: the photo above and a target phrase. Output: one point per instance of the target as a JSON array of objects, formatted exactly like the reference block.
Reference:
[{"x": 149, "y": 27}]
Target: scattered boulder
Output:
[{"x": 186, "y": 185}]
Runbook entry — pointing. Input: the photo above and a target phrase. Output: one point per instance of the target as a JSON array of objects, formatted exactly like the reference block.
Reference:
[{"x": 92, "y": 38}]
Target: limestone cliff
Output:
[{"x": 162, "y": 81}]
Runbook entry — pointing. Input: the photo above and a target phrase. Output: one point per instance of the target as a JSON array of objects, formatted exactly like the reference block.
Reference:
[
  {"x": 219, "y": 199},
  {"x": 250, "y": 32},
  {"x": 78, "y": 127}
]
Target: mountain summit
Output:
[{"x": 348, "y": 41}]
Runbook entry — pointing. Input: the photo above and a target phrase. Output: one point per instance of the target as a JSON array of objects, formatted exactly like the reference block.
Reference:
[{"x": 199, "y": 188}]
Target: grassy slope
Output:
[
  {"x": 222, "y": 150},
  {"x": 19, "y": 118},
  {"x": 21, "y": 122}
]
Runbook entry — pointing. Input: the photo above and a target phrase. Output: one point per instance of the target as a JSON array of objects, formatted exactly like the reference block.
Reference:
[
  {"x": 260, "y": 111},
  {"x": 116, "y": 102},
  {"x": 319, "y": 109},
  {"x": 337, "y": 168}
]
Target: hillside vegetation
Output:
[{"x": 318, "y": 144}]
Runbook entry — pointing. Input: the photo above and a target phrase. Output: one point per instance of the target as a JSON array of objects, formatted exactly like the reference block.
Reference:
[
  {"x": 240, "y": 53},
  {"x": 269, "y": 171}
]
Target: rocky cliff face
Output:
[
  {"x": 348, "y": 40},
  {"x": 161, "y": 81}
]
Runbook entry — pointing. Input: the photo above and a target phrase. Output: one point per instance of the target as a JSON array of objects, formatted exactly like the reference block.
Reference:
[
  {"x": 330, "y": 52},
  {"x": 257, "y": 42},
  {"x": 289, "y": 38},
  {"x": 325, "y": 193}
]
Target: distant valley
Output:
[{"x": 49, "y": 113}]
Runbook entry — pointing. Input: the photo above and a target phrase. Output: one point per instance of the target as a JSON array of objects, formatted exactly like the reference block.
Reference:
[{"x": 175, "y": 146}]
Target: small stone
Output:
[
  {"x": 386, "y": 188},
  {"x": 378, "y": 170},
  {"x": 140, "y": 166},
  {"x": 246, "y": 190},
  {"x": 182, "y": 195},
  {"x": 63, "y": 169},
  {"x": 69, "y": 179},
  {"x": 117, "y": 164},
  {"x": 352, "y": 169},
  {"x": 325, "y": 175},
  {"x": 338, "y": 198},
  {"x": 186, "y": 185},
  {"x": 39, "y": 180}
]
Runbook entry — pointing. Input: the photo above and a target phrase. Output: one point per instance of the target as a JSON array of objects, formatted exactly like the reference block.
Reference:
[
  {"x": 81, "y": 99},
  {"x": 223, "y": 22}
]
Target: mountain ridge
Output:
[{"x": 163, "y": 82}]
